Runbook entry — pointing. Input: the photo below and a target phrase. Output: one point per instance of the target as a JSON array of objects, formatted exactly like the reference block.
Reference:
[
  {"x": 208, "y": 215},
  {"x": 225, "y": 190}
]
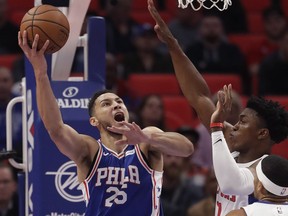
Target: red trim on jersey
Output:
[
  {"x": 99, "y": 156},
  {"x": 87, "y": 191},
  {"x": 154, "y": 192},
  {"x": 142, "y": 161}
]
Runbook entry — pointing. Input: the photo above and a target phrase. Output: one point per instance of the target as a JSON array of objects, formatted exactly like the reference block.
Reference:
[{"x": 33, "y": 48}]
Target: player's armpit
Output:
[{"x": 74, "y": 145}]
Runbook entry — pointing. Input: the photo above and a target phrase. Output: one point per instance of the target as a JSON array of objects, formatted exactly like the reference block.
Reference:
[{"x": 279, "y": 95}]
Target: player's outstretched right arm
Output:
[
  {"x": 191, "y": 82},
  {"x": 68, "y": 141}
]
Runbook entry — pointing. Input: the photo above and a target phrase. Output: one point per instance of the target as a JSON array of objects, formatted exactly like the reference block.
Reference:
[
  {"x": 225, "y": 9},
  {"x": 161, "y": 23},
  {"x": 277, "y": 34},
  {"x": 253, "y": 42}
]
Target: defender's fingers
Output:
[
  {"x": 230, "y": 96},
  {"x": 154, "y": 13}
]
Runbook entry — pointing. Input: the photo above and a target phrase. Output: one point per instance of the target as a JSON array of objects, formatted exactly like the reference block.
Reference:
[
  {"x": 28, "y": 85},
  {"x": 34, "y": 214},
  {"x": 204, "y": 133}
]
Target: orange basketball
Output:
[{"x": 49, "y": 23}]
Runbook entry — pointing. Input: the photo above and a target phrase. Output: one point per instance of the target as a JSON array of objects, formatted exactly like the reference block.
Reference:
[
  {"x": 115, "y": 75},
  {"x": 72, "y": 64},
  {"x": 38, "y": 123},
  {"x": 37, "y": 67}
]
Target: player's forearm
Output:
[
  {"x": 193, "y": 86},
  {"x": 191, "y": 81},
  {"x": 47, "y": 105},
  {"x": 227, "y": 172},
  {"x": 171, "y": 143}
]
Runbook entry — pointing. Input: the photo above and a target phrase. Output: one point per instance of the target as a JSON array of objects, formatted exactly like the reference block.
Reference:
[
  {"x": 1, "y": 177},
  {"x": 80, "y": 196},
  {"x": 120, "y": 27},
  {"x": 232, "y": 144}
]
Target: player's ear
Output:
[
  {"x": 94, "y": 122},
  {"x": 263, "y": 133}
]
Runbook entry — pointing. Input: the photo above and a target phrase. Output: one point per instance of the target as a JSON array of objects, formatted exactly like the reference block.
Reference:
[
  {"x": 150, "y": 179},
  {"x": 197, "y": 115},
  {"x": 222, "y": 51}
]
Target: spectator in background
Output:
[
  {"x": 112, "y": 73},
  {"x": 6, "y": 84},
  {"x": 185, "y": 25},
  {"x": 8, "y": 191},
  {"x": 275, "y": 25},
  {"x": 150, "y": 112},
  {"x": 146, "y": 58},
  {"x": 178, "y": 193},
  {"x": 8, "y": 32},
  {"x": 206, "y": 207},
  {"x": 119, "y": 27},
  {"x": 273, "y": 71},
  {"x": 213, "y": 54},
  {"x": 194, "y": 170}
]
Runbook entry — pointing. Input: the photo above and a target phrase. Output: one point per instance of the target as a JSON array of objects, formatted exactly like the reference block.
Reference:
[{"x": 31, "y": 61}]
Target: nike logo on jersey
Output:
[
  {"x": 219, "y": 140},
  {"x": 105, "y": 154}
]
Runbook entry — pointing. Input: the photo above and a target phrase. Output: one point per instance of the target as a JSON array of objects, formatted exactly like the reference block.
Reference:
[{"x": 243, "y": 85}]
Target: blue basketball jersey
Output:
[{"x": 122, "y": 184}]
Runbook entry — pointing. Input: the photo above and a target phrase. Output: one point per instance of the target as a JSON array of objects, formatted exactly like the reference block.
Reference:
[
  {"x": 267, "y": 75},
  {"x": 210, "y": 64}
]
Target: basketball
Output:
[{"x": 49, "y": 23}]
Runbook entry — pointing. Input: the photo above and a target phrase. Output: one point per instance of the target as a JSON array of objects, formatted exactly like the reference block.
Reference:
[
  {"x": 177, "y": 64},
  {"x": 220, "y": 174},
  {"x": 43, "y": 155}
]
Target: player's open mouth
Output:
[{"x": 119, "y": 117}]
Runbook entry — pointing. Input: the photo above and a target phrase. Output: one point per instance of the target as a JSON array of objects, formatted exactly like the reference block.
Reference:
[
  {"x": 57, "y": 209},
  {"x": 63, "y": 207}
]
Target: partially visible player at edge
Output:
[
  {"x": 270, "y": 183},
  {"x": 121, "y": 173},
  {"x": 261, "y": 124}
]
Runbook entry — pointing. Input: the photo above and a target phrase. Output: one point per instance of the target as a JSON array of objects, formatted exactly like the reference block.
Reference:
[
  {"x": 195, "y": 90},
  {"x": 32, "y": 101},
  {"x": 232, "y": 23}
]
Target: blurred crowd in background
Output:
[{"x": 246, "y": 45}]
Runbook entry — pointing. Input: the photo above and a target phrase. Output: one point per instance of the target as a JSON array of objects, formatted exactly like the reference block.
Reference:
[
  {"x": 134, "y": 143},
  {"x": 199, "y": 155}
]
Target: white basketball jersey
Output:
[
  {"x": 226, "y": 203},
  {"x": 262, "y": 208}
]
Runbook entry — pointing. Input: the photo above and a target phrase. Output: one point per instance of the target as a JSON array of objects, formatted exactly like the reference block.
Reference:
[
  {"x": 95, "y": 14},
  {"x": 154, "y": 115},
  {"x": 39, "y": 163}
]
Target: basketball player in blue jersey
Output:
[
  {"x": 261, "y": 124},
  {"x": 121, "y": 173}
]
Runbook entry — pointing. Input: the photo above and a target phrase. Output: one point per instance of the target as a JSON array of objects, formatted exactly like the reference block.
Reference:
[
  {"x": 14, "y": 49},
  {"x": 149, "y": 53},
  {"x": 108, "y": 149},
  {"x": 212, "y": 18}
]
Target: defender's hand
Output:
[
  {"x": 224, "y": 105},
  {"x": 161, "y": 28}
]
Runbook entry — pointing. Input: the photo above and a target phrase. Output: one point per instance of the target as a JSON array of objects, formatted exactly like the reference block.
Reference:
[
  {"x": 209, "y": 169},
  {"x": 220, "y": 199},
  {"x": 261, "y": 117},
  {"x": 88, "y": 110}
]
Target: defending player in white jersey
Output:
[
  {"x": 269, "y": 168},
  {"x": 122, "y": 172},
  {"x": 261, "y": 124},
  {"x": 271, "y": 189}
]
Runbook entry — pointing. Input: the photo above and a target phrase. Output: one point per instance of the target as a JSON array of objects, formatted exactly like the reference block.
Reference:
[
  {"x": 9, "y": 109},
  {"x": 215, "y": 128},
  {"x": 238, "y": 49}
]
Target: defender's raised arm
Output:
[{"x": 191, "y": 82}]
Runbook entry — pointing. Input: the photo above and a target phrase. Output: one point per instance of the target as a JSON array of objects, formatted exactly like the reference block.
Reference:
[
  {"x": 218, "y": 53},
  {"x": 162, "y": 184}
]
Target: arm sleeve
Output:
[{"x": 231, "y": 179}]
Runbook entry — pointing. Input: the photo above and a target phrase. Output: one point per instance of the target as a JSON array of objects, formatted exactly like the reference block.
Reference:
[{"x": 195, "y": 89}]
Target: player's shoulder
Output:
[{"x": 91, "y": 143}]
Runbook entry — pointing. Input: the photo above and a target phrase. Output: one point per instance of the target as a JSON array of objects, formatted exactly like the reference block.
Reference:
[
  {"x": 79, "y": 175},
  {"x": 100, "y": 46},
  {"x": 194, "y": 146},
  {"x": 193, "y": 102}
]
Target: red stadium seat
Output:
[
  {"x": 20, "y": 5},
  {"x": 7, "y": 60},
  {"x": 281, "y": 149},
  {"x": 217, "y": 81},
  {"x": 140, "y": 5},
  {"x": 178, "y": 112},
  {"x": 16, "y": 16},
  {"x": 255, "y": 23},
  {"x": 285, "y": 7},
  {"x": 255, "y": 5},
  {"x": 139, "y": 85},
  {"x": 245, "y": 41},
  {"x": 172, "y": 6}
]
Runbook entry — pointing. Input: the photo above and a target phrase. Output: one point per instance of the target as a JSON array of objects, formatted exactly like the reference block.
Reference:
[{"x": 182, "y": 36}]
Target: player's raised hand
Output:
[
  {"x": 224, "y": 105},
  {"x": 132, "y": 133},
  {"x": 36, "y": 57},
  {"x": 161, "y": 28}
]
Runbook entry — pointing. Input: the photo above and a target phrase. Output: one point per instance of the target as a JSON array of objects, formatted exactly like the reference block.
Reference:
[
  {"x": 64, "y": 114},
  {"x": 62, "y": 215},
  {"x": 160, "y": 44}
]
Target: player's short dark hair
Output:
[
  {"x": 94, "y": 98},
  {"x": 275, "y": 169},
  {"x": 274, "y": 115}
]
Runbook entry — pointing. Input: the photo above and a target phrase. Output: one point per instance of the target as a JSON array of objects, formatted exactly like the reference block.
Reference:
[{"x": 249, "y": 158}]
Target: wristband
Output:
[{"x": 216, "y": 124}]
